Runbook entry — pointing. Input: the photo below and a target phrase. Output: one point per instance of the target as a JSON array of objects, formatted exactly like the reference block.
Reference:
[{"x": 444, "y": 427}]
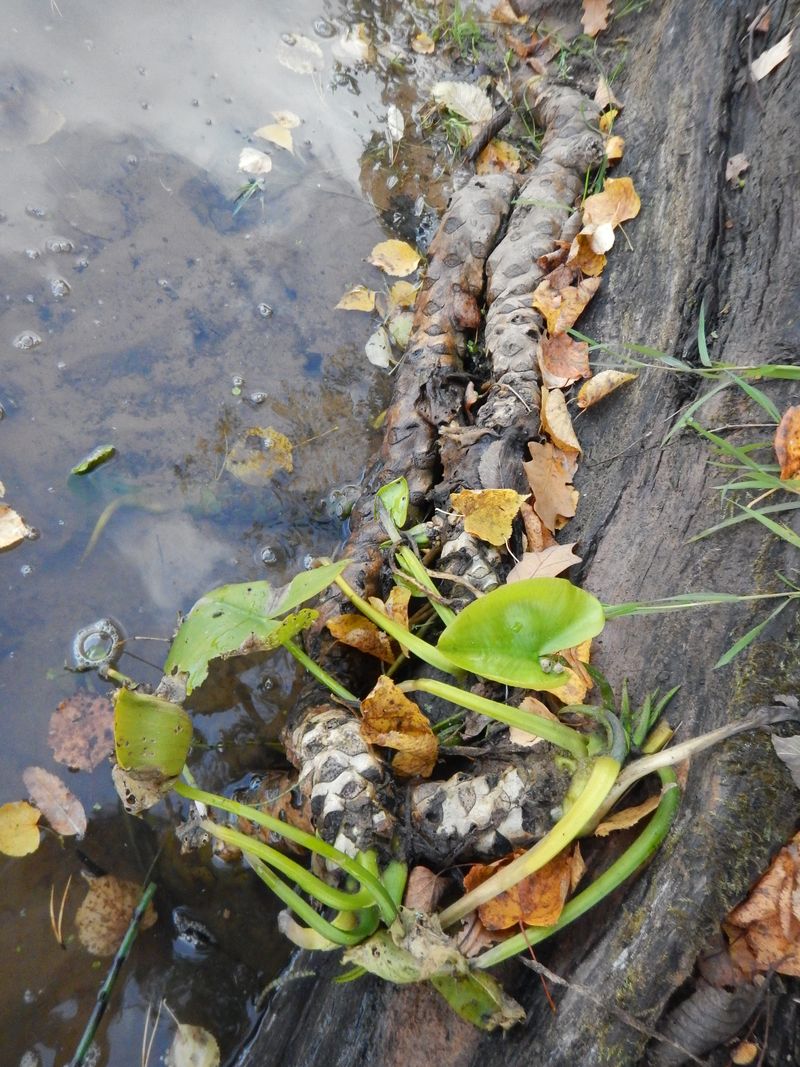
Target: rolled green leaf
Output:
[{"x": 150, "y": 733}]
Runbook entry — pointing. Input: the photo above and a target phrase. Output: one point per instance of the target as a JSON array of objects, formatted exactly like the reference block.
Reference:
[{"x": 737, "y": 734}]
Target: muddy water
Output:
[{"x": 138, "y": 310}]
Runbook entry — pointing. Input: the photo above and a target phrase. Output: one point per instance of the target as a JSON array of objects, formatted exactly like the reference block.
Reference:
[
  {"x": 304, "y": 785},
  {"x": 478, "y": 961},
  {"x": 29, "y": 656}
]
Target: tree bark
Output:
[{"x": 689, "y": 106}]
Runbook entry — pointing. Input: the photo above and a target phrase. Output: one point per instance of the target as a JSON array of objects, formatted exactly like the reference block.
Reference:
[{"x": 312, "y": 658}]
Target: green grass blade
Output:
[
  {"x": 760, "y": 398},
  {"x": 775, "y": 527},
  {"x": 734, "y": 520},
  {"x": 695, "y": 406},
  {"x": 748, "y": 638},
  {"x": 780, "y": 371}
]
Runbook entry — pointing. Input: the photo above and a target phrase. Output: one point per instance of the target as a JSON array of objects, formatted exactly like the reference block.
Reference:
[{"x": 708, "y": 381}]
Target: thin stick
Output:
[{"x": 104, "y": 993}]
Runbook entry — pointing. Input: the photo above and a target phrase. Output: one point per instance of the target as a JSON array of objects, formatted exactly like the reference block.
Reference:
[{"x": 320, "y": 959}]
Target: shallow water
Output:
[{"x": 136, "y": 300}]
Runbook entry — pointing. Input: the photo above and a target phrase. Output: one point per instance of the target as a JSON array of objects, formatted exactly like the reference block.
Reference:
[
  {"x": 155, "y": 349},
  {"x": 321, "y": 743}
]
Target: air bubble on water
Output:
[
  {"x": 209, "y": 122},
  {"x": 265, "y": 311},
  {"x": 323, "y": 28},
  {"x": 195, "y": 102},
  {"x": 257, "y": 398},
  {"x": 27, "y": 340},
  {"x": 266, "y": 683},
  {"x": 143, "y": 104},
  {"x": 308, "y": 562},
  {"x": 289, "y": 39},
  {"x": 28, "y": 997},
  {"x": 61, "y": 365},
  {"x": 163, "y": 283},
  {"x": 35, "y": 211},
  {"x": 59, "y": 287},
  {"x": 25, "y": 570},
  {"x": 59, "y": 244},
  {"x": 32, "y": 253},
  {"x": 237, "y": 381},
  {"x": 267, "y": 554},
  {"x": 132, "y": 161},
  {"x": 80, "y": 264}
]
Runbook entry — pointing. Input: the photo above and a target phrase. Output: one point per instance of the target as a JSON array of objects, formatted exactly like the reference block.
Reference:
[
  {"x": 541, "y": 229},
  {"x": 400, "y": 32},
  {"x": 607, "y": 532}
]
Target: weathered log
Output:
[{"x": 689, "y": 106}]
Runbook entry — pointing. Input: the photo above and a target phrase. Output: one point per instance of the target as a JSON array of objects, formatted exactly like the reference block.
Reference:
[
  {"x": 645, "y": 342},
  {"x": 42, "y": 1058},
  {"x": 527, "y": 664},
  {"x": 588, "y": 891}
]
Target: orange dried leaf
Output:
[
  {"x": 744, "y": 1053},
  {"x": 498, "y": 157},
  {"x": 615, "y": 149},
  {"x": 550, "y": 472},
  {"x": 522, "y": 738},
  {"x": 595, "y": 16},
  {"x": 617, "y": 203},
  {"x": 537, "y": 534},
  {"x": 392, "y": 720},
  {"x": 583, "y": 256},
  {"x": 622, "y": 820},
  {"x": 505, "y": 14},
  {"x": 556, "y": 423},
  {"x": 548, "y": 563},
  {"x": 537, "y": 900},
  {"x": 81, "y": 732},
  {"x": 488, "y": 513},
  {"x": 601, "y": 385},
  {"x": 358, "y": 632},
  {"x": 561, "y": 305},
  {"x": 787, "y": 443},
  {"x": 579, "y": 681},
  {"x": 563, "y": 361}
]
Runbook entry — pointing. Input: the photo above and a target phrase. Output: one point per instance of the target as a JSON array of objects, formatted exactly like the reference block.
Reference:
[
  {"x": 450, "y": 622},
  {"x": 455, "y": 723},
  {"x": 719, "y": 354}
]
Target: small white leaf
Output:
[
  {"x": 788, "y": 750},
  {"x": 379, "y": 348},
  {"x": 193, "y": 1047},
  {"x": 300, "y": 54},
  {"x": 395, "y": 122},
  {"x": 602, "y": 238},
  {"x": 769, "y": 60},
  {"x": 251, "y": 161},
  {"x": 466, "y": 100},
  {"x": 277, "y": 134}
]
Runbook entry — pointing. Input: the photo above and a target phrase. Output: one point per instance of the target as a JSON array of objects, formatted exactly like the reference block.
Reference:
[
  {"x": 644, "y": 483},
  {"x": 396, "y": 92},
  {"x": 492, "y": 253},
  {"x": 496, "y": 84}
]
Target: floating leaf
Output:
[
  {"x": 623, "y": 820},
  {"x": 287, "y": 119},
  {"x": 395, "y": 123},
  {"x": 503, "y": 635},
  {"x": 100, "y": 455},
  {"x": 150, "y": 733},
  {"x": 769, "y": 60},
  {"x": 276, "y": 134},
  {"x": 563, "y": 361},
  {"x": 548, "y": 563},
  {"x": 399, "y": 327},
  {"x": 556, "y": 423},
  {"x": 258, "y": 456},
  {"x": 392, "y": 720},
  {"x": 19, "y": 830},
  {"x": 537, "y": 900},
  {"x": 357, "y": 632},
  {"x": 13, "y": 527},
  {"x": 498, "y": 157},
  {"x": 103, "y": 918},
  {"x": 300, "y": 54},
  {"x": 403, "y": 295},
  {"x": 193, "y": 1046},
  {"x": 60, "y": 807},
  {"x": 252, "y": 161},
  {"x": 468, "y": 101},
  {"x": 379, "y": 348},
  {"x": 394, "y": 257},
  {"x": 550, "y": 472},
  {"x": 81, "y": 732},
  {"x": 560, "y": 302},
  {"x": 359, "y": 298},
  {"x": 787, "y": 443},
  {"x": 488, "y": 513},
  {"x": 595, "y": 16},
  {"x": 601, "y": 385},
  {"x": 140, "y": 790},
  {"x": 423, "y": 44}
]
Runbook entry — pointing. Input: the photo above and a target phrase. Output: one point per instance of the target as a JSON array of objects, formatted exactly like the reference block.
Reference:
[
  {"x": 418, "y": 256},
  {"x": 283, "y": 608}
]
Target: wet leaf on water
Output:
[
  {"x": 359, "y": 298},
  {"x": 769, "y": 60},
  {"x": 81, "y": 732},
  {"x": 787, "y": 443},
  {"x": 423, "y": 44},
  {"x": 140, "y": 790},
  {"x": 150, "y": 733},
  {"x": 560, "y": 302},
  {"x": 402, "y": 295},
  {"x": 556, "y": 423},
  {"x": 277, "y": 135},
  {"x": 595, "y": 16},
  {"x": 601, "y": 385},
  {"x": 736, "y": 166},
  {"x": 563, "y": 361},
  {"x": 488, "y": 513},
  {"x": 287, "y": 119},
  {"x": 623, "y": 820},
  {"x": 395, "y": 123},
  {"x": 498, "y": 157},
  {"x": 258, "y": 455},
  {"x": 392, "y": 720},
  {"x": 522, "y": 738},
  {"x": 464, "y": 99},
  {"x": 60, "y": 807},
  {"x": 379, "y": 348},
  {"x": 357, "y": 632},
  {"x": 604, "y": 97},
  {"x": 399, "y": 328},
  {"x": 394, "y": 257},
  {"x": 537, "y": 900},
  {"x": 193, "y": 1046},
  {"x": 550, "y": 472},
  {"x": 99, "y": 455},
  {"x": 103, "y": 918},
  {"x": 19, "y": 830},
  {"x": 788, "y": 750},
  {"x": 355, "y": 46},
  {"x": 252, "y": 161},
  {"x": 548, "y": 563},
  {"x": 13, "y": 527},
  {"x": 615, "y": 149},
  {"x": 300, "y": 54}
]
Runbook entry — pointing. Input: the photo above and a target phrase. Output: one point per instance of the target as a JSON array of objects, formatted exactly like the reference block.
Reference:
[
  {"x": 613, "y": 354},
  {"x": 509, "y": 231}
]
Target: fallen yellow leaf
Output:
[
  {"x": 584, "y": 256},
  {"x": 578, "y": 681},
  {"x": 402, "y": 295},
  {"x": 556, "y": 422},
  {"x": 392, "y": 720},
  {"x": 488, "y": 513},
  {"x": 561, "y": 302},
  {"x": 623, "y": 820},
  {"x": 357, "y": 632},
  {"x": 359, "y": 298},
  {"x": 397, "y": 258},
  {"x": 617, "y": 203},
  {"x": 787, "y": 443},
  {"x": 607, "y": 120},
  {"x": 276, "y": 134},
  {"x": 13, "y": 527},
  {"x": 19, "y": 832},
  {"x": 504, "y": 14},
  {"x": 601, "y": 385},
  {"x": 615, "y": 149},
  {"x": 563, "y": 361},
  {"x": 550, "y": 472},
  {"x": 498, "y": 157},
  {"x": 537, "y": 900}
]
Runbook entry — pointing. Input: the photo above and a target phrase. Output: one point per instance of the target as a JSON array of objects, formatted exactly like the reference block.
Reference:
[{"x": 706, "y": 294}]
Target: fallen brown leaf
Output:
[
  {"x": 787, "y": 443},
  {"x": 550, "y": 472},
  {"x": 604, "y": 97},
  {"x": 103, "y": 918},
  {"x": 615, "y": 149},
  {"x": 60, "y": 807},
  {"x": 357, "y": 632},
  {"x": 537, "y": 900},
  {"x": 424, "y": 890},
  {"x": 548, "y": 563},
  {"x": 560, "y": 302},
  {"x": 536, "y": 533},
  {"x": 556, "y": 423},
  {"x": 522, "y": 738},
  {"x": 595, "y": 16},
  {"x": 769, "y": 60},
  {"x": 628, "y": 817},
  {"x": 13, "y": 527},
  {"x": 81, "y": 732},
  {"x": 736, "y": 166},
  {"x": 392, "y": 720},
  {"x": 579, "y": 681},
  {"x": 563, "y": 361},
  {"x": 488, "y": 513},
  {"x": 601, "y": 385}
]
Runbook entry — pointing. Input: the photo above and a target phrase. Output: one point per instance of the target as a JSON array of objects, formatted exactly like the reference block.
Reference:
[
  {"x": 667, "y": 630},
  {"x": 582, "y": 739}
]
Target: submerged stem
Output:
[{"x": 319, "y": 672}]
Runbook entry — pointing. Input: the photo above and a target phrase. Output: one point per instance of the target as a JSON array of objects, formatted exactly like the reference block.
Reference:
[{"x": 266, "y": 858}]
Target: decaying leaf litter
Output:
[{"x": 570, "y": 284}]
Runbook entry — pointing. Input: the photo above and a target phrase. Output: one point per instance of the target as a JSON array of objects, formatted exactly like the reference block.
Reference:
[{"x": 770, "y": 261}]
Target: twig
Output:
[
  {"x": 495, "y": 124},
  {"x": 104, "y": 993}
]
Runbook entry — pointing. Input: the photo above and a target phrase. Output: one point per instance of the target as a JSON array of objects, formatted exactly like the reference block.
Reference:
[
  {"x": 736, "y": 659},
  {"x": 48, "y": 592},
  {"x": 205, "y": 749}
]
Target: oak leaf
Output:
[
  {"x": 359, "y": 298},
  {"x": 595, "y": 16},
  {"x": 103, "y": 918},
  {"x": 81, "y": 732},
  {"x": 548, "y": 563},
  {"x": 787, "y": 443},
  {"x": 537, "y": 900},
  {"x": 601, "y": 385},
  {"x": 19, "y": 830},
  {"x": 392, "y": 720},
  {"x": 488, "y": 513},
  {"x": 394, "y": 257},
  {"x": 556, "y": 423},
  {"x": 60, "y": 807},
  {"x": 623, "y": 820},
  {"x": 357, "y": 632},
  {"x": 563, "y": 360},
  {"x": 550, "y": 472},
  {"x": 560, "y": 303}
]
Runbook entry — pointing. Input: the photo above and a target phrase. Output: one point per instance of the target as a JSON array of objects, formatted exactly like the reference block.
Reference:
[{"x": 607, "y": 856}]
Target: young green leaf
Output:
[
  {"x": 748, "y": 638},
  {"x": 150, "y": 733},
  {"x": 503, "y": 635},
  {"x": 305, "y": 585},
  {"x": 394, "y": 496}
]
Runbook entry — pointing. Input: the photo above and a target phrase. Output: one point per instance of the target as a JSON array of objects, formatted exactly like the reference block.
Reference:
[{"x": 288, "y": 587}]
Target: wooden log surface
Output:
[{"x": 689, "y": 106}]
